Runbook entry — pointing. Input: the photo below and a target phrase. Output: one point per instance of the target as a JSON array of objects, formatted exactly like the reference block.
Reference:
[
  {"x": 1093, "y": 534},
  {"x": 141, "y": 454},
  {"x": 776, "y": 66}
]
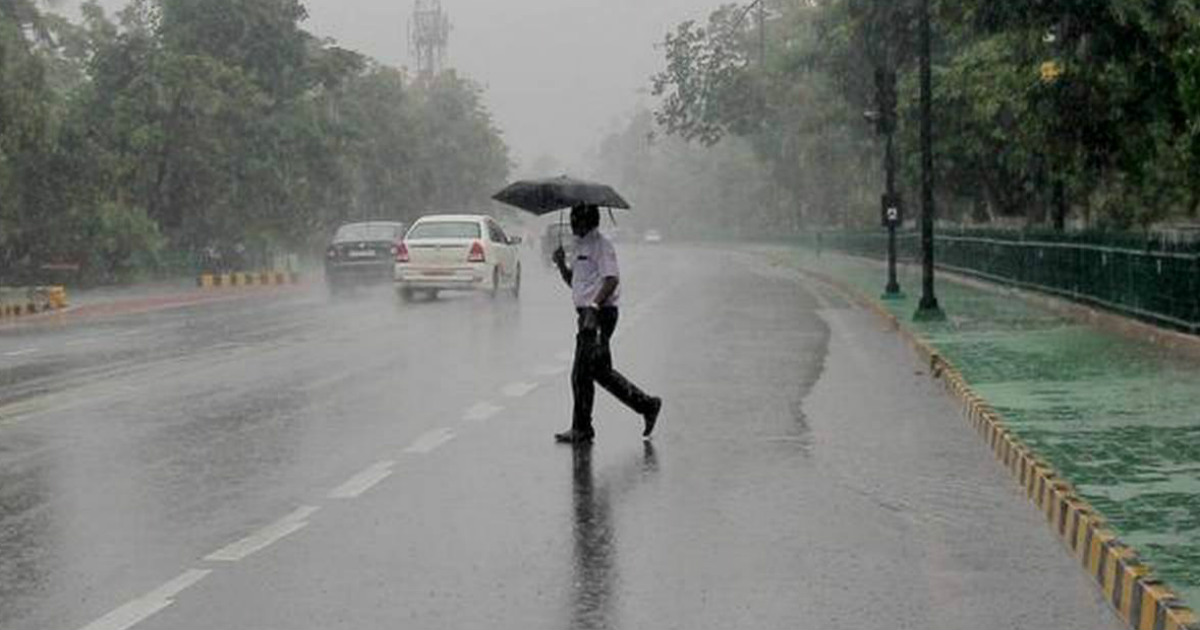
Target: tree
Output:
[
  {"x": 184, "y": 126},
  {"x": 1044, "y": 110}
]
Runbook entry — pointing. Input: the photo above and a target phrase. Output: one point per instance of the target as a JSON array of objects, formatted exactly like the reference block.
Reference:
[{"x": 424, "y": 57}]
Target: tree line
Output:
[
  {"x": 1079, "y": 113},
  {"x": 179, "y": 130}
]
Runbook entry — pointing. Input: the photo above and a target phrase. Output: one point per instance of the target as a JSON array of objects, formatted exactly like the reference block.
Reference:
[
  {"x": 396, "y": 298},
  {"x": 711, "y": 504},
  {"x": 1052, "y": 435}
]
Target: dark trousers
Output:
[{"x": 593, "y": 364}]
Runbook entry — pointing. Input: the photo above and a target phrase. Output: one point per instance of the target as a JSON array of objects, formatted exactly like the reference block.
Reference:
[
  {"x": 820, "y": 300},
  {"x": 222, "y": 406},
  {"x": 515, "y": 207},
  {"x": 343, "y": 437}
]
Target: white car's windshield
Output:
[{"x": 444, "y": 229}]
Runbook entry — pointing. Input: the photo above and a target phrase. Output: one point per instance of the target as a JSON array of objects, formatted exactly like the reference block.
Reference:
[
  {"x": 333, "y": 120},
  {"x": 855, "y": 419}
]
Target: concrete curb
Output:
[
  {"x": 1140, "y": 599},
  {"x": 247, "y": 279}
]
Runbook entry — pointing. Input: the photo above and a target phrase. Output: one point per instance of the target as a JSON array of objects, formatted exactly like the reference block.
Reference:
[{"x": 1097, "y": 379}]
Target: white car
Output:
[{"x": 456, "y": 252}]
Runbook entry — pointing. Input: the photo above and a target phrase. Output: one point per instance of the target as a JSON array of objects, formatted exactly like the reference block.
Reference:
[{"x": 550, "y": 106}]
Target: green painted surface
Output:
[{"x": 1119, "y": 418}]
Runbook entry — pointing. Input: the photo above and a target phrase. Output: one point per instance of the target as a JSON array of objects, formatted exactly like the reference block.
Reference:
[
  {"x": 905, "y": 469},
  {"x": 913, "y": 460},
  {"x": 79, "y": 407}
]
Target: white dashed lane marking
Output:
[
  {"x": 481, "y": 412},
  {"x": 363, "y": 481},
  {"x": 264, "y": 537},
  {"x": 21, "y": 353},
  {"x": 518, "y": 390},
  {"x": 143, "y": 607},
  {"x": 140, "y": 609},
  {"x": 549, "y": 370},
  {"x": 331, "y": 381},
  {"x": 430, "y": 441}
]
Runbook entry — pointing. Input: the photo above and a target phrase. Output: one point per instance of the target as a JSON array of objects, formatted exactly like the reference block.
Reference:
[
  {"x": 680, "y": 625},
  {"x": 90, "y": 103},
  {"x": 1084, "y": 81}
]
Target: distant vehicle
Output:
[
  {"x": 450, "y": 252},
  {"x": 652, "y": 236},
  {"x": 362, "y": 253},
  {"x": 557, "y": 234}
]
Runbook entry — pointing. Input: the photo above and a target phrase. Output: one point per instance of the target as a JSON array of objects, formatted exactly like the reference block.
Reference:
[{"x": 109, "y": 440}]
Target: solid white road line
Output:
[
  {"x": 518, "y": 390},
  {"x": 264, "y": 537},
  {"x": 143, "y": 607},
  {"x": 481, "y": 412},
  {"x": 21, "y": 353},
  {"x": 363, "y": 481},
  {"x": 430, "y": 441}
]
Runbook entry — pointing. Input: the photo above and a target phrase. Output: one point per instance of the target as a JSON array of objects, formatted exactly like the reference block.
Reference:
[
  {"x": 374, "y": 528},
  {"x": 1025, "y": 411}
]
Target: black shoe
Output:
[
  {"x": 651, "y": 416},
  {"x": 574, "y": 437}
]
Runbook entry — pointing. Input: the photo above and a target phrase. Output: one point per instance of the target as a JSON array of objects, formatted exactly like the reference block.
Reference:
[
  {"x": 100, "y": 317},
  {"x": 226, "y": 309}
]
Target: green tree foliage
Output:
[
  {"x": 189, "y": 126},
  {"x": 1088, "y": 106}
]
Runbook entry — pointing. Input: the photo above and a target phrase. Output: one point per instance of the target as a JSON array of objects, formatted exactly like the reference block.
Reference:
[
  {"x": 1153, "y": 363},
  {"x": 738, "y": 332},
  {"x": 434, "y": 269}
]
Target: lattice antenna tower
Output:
[{"x": 429, "y": 36}]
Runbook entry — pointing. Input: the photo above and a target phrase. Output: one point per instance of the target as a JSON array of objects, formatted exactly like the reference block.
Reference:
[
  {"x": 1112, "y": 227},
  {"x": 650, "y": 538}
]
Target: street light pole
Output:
[
  {"x": 892, "y": 216},
  {"x": 892, "y": 206},
  {"x": 928, "y": 310}
]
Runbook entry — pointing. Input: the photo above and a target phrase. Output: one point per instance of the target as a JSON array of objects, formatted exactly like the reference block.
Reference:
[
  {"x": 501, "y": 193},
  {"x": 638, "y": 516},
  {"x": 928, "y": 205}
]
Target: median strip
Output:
[
  {"x": 247, "y": 279},
  {"x": 23, "y": 301}
]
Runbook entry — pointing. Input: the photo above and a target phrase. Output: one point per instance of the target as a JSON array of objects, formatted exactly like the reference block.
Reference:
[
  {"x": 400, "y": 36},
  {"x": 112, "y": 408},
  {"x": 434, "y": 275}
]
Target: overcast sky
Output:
[{"x": 557, "y": 73}]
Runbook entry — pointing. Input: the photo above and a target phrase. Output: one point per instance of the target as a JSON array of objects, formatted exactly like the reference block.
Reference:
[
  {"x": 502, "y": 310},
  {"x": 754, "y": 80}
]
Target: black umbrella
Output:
[{"x": 543, "y": 196}]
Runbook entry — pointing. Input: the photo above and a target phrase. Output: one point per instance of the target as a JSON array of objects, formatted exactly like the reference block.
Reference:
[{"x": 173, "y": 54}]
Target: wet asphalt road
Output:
[{"x": 297, "y": 462}]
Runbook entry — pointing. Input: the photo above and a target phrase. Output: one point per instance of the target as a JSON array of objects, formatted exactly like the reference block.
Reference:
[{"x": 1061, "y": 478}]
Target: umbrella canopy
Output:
[{"x": 543, "y": 196}]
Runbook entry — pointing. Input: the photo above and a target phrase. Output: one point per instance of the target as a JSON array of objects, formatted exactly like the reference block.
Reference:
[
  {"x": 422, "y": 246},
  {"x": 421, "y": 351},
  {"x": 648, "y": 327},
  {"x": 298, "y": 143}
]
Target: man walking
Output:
[{"x": 595, "y": 288}]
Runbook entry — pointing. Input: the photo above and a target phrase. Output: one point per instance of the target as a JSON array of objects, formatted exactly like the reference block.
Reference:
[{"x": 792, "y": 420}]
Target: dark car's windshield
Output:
[
  {"x": 368, "y": 232},
  {"x": 444, "y": 229}
]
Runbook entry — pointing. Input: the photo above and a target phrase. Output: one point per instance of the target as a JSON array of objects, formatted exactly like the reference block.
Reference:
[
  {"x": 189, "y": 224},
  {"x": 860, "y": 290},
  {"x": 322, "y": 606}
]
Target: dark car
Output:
[
  {"x": 363, "y": 253},
  {"x": 557, "y": 234}
]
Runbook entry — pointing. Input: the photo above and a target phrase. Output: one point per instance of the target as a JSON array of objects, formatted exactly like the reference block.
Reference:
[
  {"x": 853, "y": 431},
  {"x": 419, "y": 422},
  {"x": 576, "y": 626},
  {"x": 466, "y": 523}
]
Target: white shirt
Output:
[{"x": 595, "y": 260}]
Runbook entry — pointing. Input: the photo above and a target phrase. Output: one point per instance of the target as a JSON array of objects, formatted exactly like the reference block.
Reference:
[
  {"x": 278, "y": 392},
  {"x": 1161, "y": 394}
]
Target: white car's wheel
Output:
[
  {"x": 495, "y": 289},
  {"x": 516, "y": 286}
]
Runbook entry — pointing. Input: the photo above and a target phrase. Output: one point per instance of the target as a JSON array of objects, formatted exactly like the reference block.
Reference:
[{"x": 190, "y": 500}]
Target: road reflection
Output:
[{"x": 595, "y": 553}]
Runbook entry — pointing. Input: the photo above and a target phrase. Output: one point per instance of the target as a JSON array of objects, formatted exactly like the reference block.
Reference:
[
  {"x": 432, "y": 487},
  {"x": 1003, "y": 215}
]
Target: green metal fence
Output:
[{"x": 1157, "y": 281}]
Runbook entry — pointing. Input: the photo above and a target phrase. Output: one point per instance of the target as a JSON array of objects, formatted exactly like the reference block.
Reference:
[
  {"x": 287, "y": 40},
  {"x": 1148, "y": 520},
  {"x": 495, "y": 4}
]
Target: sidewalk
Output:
[{"x": 1118, "y": 418}]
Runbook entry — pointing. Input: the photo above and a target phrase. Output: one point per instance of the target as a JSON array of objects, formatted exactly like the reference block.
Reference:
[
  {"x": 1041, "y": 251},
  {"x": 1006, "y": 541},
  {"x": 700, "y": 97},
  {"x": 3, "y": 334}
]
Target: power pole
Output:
[
  {"x": 928, "y": 310},
  {"x": 429, "y": 37}
]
